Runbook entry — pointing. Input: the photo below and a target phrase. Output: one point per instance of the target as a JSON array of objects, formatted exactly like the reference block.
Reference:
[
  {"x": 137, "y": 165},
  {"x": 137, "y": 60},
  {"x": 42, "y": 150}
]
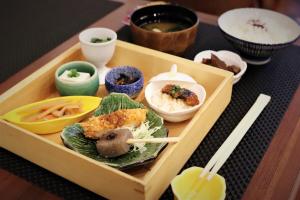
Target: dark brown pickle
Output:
[
  {"x": 217, "y": 62},
  {"x": 124, "y": 79}
]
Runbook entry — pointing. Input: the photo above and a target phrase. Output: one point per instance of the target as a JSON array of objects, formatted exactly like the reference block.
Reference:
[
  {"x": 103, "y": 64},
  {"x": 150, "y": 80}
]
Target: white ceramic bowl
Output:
[
  {"x": 228, "y": 57},
  {"x": 175, "y": 116},
  {"x": 258, "y": 33},
  {"x": 98, "y": 53}
]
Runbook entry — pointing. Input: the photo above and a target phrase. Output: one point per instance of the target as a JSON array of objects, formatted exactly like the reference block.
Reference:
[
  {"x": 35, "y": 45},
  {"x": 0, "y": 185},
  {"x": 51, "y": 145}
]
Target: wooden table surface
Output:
[{"x": 277, "y": 176}]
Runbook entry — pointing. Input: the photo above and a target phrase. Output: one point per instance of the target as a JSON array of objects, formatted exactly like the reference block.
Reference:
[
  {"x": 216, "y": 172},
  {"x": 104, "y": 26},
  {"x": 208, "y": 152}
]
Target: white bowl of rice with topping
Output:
[
  {"x": 171, "y": 109},
  {"x": 257, "y": 33}
]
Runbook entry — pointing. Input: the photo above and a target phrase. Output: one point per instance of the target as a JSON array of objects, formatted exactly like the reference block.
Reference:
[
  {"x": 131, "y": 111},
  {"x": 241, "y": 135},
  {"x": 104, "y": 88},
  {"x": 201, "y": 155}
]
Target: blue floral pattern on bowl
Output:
[{"x": 132, "y": 89}]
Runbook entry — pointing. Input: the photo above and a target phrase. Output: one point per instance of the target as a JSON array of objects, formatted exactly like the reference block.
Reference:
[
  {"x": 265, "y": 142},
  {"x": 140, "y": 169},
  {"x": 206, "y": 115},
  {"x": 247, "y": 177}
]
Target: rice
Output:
[{"x": 167, "y": 103}]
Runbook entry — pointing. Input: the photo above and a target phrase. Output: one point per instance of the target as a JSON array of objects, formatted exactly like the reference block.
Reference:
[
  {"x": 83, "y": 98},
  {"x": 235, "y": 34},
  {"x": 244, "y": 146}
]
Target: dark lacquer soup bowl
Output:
[{"x": 168, "y": 28}]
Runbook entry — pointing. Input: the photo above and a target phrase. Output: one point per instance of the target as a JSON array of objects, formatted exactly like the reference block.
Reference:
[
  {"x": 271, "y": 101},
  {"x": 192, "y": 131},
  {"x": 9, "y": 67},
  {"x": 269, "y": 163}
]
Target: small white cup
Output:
[{"x": 98, "y": 53}]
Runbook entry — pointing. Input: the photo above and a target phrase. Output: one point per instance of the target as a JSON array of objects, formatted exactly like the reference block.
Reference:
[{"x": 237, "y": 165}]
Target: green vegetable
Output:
[
  {"x": 99, "y": 40},
  {"x": 175, "y": 90},
  {"x": 73, "y": 73}
]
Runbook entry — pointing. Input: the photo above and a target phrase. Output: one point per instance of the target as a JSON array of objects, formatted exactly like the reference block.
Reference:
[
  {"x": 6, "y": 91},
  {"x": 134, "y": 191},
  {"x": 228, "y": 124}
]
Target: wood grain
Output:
[
  {"x": 13, "y": 187},
  {"x": 277, "y": 176},
  {"x": 147, "y": 185}
]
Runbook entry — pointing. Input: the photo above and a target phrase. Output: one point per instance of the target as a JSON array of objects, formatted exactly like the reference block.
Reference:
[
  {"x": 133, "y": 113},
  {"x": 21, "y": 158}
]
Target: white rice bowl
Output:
[
  {"x": 259, "y": 26},
  {"x": 258, "y": 33}
]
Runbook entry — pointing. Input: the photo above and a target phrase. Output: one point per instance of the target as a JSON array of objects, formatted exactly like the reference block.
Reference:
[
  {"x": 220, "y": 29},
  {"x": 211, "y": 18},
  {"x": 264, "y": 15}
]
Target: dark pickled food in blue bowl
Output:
[{"x": 126, "y": 79}]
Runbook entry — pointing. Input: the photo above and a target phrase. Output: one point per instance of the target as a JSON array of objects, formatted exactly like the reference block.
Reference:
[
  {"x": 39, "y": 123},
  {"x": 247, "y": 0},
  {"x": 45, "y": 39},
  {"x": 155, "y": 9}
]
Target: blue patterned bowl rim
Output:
[{"x": 115, "y": 70}]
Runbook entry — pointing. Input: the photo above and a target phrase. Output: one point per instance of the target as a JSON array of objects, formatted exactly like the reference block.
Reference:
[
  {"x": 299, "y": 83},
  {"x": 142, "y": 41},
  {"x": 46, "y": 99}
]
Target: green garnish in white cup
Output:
[
  {"x": 73, "y": 73},
  {"x": 100, "y": 40}
]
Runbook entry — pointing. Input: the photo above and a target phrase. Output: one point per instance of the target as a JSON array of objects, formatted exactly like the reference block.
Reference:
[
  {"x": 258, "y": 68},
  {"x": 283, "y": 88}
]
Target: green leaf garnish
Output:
[
  {"x": 73, "y": 73},
  {"x": 100, "y": 40},
  {"x": 175, "y": 89}
]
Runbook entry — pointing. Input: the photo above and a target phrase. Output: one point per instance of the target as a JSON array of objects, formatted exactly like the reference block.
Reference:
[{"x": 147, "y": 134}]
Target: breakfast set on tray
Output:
[{"x": 135, "y": 115}]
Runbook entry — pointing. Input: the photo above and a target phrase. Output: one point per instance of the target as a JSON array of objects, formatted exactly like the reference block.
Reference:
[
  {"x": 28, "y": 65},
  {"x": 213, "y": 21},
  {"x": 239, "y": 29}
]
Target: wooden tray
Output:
[{"x": 147, "y": 182}]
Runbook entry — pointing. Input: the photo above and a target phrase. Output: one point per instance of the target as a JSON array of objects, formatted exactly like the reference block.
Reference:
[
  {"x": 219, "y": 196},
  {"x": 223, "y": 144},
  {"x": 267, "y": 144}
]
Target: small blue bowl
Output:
[{"x": 132, "y": 89}]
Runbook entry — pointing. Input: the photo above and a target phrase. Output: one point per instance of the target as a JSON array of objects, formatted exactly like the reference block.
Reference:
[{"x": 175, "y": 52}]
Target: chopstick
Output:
[
  {"x": 235, "y": 137},
  {"x": 154, "y": 140}
]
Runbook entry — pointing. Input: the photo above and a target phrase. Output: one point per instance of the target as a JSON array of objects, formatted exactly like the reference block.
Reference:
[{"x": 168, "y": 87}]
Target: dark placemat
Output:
[
  {"x": 280, "y": 78},
  {"x": 29, "y": 29}
]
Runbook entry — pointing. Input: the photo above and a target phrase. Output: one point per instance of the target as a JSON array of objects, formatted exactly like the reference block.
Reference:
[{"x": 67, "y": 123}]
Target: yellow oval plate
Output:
[
  {"x": 88, "y": 104},
  {"x": 189, "y": 186}
]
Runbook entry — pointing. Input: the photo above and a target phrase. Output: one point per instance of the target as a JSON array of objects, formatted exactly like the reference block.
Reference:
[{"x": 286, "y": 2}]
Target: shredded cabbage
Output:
[{"x": 142, "y": 132}]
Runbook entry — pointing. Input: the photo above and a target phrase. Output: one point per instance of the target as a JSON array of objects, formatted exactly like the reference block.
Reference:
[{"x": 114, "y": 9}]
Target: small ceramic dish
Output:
[
  {"x": 228, "y": 57},
  {"x": 73, "y": 137},
  {"x": 98, "y": 46},
  {"x": 187, "y": 184},
  {"x": 88, "y": 104},
  {"x": 182, "y": 114},
  {"x": 117, "y": 73},
  {"x": 88, "y": 87}
]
